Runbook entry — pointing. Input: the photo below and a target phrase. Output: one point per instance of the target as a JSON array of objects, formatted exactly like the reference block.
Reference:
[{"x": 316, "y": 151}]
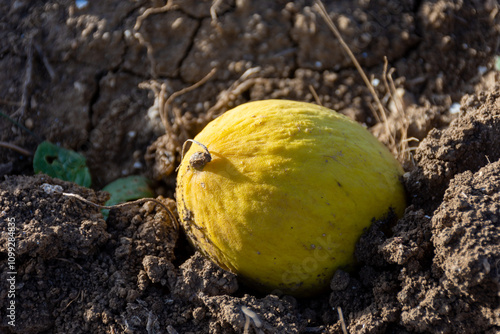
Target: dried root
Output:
[{"x": 166, "y": 152}]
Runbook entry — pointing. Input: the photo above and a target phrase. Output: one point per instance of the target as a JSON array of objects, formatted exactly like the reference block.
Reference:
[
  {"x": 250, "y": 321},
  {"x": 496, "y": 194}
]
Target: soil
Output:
[{"x": 86, "y": 75}]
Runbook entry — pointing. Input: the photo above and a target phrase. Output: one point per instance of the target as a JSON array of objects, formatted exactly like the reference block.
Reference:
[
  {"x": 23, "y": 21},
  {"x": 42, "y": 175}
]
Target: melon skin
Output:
[{"x": 288, "y": 192}]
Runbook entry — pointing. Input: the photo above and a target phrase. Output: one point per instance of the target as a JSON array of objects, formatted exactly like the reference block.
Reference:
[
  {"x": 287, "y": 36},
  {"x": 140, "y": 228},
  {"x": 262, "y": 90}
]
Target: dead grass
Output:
[{"x": 398, "y": 142}]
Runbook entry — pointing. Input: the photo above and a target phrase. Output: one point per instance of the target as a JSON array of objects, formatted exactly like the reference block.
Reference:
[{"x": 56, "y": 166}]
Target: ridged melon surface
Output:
[{"x": 288, "y": 192}]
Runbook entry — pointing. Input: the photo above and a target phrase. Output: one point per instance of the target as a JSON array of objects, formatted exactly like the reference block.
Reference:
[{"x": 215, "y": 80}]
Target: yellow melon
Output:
[{"x": 284, "y": 193}]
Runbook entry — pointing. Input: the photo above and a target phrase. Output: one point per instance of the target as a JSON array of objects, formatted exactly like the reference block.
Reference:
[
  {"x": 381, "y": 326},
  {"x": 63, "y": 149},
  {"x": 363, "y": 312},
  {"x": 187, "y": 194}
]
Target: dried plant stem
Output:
[
  {"x": 80, "y": 294},
  {"x": 254, "y": 318},
  {"x": 242, "y": 84},
  {"x": 173, "y": 96},
  {"x": 164, "y": 106},
  {"x": 392, "y": 96},
  {"x": 342, "y": 321},
  {"x": 403, "y": 149},
  {"x": 28, "y": 76},
  {"x": 315, "y": 95},
  {"x": 324, "y": 14},
  {"x": 213, "y": 12},
  {"x": 195, "y": 142},
  {"x": 162, "y": 109},
  {"x": 15, "y": 148},
  {"x": 138, "y": 23},
  {"x": 149, "y": 53},
  {"x": 168, "y": 6},
  {"x": 121, "y": 205},
  {"x": 177, "y": 125}
]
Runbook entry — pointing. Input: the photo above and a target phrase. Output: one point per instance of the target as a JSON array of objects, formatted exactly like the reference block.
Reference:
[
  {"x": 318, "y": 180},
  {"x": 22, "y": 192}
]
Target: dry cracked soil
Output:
[{"x": 88, "y": 76}]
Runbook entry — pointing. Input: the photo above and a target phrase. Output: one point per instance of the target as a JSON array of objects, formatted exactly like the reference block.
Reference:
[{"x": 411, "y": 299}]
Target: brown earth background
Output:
[{"x": 88, "y": 78}]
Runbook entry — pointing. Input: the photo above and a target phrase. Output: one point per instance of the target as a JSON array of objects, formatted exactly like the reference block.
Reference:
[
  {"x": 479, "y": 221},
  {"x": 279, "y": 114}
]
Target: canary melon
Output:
[{"x": 279, "y": 192}]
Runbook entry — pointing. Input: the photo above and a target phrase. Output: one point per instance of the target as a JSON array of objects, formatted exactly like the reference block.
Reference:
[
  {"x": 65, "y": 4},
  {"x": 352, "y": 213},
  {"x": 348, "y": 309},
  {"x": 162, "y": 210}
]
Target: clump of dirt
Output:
[
  {"x": 96, "y": 276},
  {"x": 468, "y": 144},
  {"x": 446, "y": 275},
  {"x": 462, "y": 293},
  {"x": 87, "y": 76},
  {"x": 71, "y": 265},
  {"x": 52, "y": 235}
]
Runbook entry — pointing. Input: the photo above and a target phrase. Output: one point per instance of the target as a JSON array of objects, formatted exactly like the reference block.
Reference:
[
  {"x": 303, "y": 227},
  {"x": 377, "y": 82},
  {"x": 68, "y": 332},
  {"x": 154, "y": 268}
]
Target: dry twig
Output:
[
  {"x": 342, "y": 321},
  {"x": 138, "y": 23},
  {"x": 155, "y": 10},
  {"x": 80, "y": 293},
  {"x": 381, "y": 110},
  {"x": 315, "y": 95},
  {"x": 121, "y": 205},
  {"x": 213, "y": 12},
  {"x": 28, "y": 76},
  {"x": 165, "y": 106},
  {"x": 178, "y": 128},
  {"x": 403, "y": 149},
  {"x": 241, "y": 85},
  {"x": 15, "y": 148},
  {"x": 149, "y": 53}
]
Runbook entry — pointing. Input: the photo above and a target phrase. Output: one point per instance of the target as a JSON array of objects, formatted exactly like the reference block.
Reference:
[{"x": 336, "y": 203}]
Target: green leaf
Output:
[
  {"x": 61, "y": 163},
  {"x": 497, "y": 63},
  {"x": 127, "y": 189}
]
